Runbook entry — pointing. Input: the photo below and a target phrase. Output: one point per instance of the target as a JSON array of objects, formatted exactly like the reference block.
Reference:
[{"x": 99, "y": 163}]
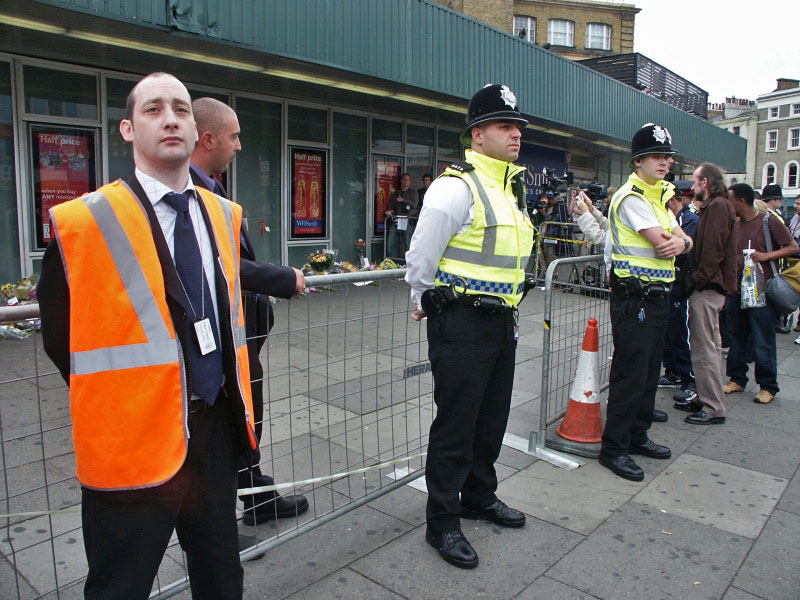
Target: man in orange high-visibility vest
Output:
[{"x": 142, "y": 314}]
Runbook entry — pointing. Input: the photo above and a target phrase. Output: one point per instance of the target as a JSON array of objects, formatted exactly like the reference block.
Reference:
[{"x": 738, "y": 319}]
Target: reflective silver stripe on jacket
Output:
[
  {"x": 160, "y": 348},
  {"x": 239, "y": 333},
  {"x": 486, "y": 257}
]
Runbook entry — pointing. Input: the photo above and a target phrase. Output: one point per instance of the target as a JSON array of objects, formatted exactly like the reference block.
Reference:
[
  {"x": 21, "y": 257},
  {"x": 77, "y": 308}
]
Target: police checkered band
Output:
[
  {"x": 634, "y": 270},
  {"x": 477, "y": 285}
]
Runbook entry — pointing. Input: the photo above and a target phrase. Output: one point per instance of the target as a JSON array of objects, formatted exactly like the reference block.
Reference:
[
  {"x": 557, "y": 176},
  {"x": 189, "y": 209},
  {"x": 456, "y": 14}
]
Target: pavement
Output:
[{"x": 720, "y": 519}]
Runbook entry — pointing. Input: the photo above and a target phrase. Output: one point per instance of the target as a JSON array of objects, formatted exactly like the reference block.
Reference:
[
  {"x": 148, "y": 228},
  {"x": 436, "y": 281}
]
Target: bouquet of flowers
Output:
[
  {"x": 321, "y": 261},
  {"x": 360, "y": 245}
]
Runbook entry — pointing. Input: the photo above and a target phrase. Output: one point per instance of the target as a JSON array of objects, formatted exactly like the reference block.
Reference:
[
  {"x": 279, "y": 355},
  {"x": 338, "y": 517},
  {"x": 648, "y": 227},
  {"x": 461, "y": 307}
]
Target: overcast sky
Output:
[{"x": 726, "y": 47}]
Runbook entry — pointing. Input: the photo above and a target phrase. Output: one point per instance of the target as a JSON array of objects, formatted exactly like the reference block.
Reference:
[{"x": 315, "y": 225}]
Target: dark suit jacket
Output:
[
  {"x": 54, "y": 304},
  {"x": 258, "y": 282}
]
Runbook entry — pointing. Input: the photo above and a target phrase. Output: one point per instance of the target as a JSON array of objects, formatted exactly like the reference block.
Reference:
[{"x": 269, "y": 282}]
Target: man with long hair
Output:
[{"x": 714, "y": 276}]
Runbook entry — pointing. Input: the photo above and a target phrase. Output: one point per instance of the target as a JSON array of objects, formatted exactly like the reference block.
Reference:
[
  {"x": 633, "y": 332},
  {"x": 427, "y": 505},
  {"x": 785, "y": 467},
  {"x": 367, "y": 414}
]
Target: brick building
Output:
[
  {"x": 778, "y": 142},
  {"x": 574, "y": 29}
]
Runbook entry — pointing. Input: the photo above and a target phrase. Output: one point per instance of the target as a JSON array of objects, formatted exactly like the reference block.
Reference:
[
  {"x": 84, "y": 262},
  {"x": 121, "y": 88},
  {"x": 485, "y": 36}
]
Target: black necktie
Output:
[{"x": 205, "y": 370}]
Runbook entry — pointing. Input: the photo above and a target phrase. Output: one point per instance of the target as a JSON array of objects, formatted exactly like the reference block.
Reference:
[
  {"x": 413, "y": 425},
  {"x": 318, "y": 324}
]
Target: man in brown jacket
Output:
[{"x": 713, "y": 278}]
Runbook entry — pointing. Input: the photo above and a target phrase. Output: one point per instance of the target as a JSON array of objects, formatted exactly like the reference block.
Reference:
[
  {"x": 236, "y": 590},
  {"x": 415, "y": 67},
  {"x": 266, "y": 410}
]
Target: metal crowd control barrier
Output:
[
  {"x": 567, "y": 308},
  {"x": 347, "y": 409},
  {"x": 553, "y": 240}
]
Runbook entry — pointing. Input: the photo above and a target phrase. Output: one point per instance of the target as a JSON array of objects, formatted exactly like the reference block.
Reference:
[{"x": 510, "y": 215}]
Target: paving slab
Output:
[
  {"x": 737, "y": 594},
  {"x": 510, "y": 560},
  {"x": 772, "y": 569},
  {"x": 631, "y": 557},
  {"x": 714, "y": 493},
  {"x": 781, "y": 414},
  {"x": 515, "y": 459},
  {"x": 299, "y": 414},
  {"x": 750, "y": 446},
  {"x": 302, "y": 561},
  {"x": 790, "y": 501},
  {"x": 344, "y": 584},
  {"x": 578, "y": 500},
  {"x": 677, "y": 439},
  {"x": 545, "y": 588}
]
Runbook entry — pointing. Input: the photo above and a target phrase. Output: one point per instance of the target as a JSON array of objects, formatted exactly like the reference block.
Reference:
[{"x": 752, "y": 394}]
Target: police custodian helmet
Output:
[
  {"x": 494, "y": 102},
  {"x": 650, "y": 139}
]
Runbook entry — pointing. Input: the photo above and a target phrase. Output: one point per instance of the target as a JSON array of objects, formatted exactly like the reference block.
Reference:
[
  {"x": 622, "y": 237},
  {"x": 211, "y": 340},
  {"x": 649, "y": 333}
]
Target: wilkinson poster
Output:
[
  {"x": 387, "y": 177},
  {"x": 308, "y": 193},
  {"x": 63, "y": 168}
]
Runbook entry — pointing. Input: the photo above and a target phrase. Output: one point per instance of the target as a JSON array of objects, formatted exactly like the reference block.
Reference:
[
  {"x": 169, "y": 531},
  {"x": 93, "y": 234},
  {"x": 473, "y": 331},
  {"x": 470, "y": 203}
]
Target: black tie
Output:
[{"x": 205, "y": 370}]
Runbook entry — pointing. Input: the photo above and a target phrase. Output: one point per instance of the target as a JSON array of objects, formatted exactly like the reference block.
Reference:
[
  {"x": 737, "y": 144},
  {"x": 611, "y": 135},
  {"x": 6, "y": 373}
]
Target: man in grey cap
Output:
[{"x": 466, "y": 268}]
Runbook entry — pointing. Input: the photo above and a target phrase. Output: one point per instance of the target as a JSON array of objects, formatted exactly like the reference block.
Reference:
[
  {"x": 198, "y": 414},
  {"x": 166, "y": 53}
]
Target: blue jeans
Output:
[{"x": 756, "y": 327}]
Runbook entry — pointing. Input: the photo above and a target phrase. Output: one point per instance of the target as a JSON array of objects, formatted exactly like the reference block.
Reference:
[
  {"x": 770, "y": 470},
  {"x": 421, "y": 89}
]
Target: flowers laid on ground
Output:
[
  {"x": 21, "y": 292},
  {"x": 321, "y": 261}
]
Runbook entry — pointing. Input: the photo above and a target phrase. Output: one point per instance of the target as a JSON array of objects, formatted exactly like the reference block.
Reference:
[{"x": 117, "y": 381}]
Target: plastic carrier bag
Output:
[{"x": 753, "y": 292}]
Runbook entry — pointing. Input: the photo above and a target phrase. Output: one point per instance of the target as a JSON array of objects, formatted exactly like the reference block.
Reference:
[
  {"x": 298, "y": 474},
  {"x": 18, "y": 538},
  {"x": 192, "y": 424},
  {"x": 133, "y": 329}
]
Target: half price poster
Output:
[
  {"x": 308, "y": 193},
  {"x": 63, "y": 169}
]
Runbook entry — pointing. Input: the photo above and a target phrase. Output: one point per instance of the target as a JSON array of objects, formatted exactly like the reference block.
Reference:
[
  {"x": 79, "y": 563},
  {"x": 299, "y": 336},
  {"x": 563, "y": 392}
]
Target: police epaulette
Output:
[
  {"x": 461, "y": 166},
  {"x": 636, "y": 189}
]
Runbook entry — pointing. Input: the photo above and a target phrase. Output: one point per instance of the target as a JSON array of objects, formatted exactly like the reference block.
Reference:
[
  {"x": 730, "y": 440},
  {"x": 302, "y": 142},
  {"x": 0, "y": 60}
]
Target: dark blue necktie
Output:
[{"x": 205, "y": 370}]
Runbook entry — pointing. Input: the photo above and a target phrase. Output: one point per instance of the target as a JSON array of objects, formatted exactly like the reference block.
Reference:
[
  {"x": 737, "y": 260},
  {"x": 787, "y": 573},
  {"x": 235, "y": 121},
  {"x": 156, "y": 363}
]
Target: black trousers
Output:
[
  {"x": 472, "y": 361},
  {"x": 126, "y": 533},
  {"x": 635, "y": 367}
]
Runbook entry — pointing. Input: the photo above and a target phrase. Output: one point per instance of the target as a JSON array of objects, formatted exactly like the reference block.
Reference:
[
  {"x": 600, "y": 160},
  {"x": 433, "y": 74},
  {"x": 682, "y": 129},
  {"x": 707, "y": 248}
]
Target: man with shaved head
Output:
[
  {"x": 139, "y": 297},
  {"x": 218, "y": 142}
]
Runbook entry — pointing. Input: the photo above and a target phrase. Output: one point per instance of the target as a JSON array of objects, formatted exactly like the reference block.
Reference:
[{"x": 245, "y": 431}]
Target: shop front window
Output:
[
  {"x": 308, "y": 124},
  {"x": 258, "y": 175},
  {"x": 448, "y": 149},
  {"x": 387, "y": 136},
  {"x": 9, "y": 225},
  {"x": 419, "y": 153},
  {"x": 120, "y": 152},
  {"x": 349, "y": 202},
  {"x": 60, "y": 93}
]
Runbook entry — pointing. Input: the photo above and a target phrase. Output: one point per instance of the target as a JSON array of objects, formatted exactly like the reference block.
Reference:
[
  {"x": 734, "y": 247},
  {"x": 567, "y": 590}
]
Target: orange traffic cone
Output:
[{"x": 583, "y": 422}]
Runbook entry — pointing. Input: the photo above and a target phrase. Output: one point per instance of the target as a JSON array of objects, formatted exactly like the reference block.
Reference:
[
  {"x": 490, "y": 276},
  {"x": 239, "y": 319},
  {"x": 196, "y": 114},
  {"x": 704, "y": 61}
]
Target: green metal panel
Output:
[{"x": 425, "y": 45}]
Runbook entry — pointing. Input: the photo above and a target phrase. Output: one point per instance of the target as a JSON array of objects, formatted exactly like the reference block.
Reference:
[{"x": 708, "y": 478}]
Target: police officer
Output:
[
  {"x": 645, "y": 238},
  {"x": 466, "y": 268}
]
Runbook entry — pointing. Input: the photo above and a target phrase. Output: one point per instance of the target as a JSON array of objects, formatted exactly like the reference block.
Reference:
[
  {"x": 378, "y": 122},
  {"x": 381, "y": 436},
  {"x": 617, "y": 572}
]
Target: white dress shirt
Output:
[
  {"x": 167, "y": 216},
  {"x": 448, "y": 210}
]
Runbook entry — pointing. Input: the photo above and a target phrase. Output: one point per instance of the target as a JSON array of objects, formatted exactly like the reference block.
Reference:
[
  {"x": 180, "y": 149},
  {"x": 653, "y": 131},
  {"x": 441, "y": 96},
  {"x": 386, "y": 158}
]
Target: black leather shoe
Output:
[
  {"x": 248, "y": 541},
  {"x": 659, "y": 416},
  {"x": 651, "y": 449},
  {"x": 498, "y": 513},
  {"x": 453, "y": 547},
  {"x": 701, "y": 417},
  {"x": 260, "y": 511},
  {"x": 623, "y": 466},
  {"x": 690, "y": 406}
]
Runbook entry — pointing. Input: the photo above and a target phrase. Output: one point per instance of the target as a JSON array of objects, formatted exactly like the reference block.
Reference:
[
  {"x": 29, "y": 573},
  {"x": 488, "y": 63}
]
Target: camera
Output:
[
  {"x": 557, "y": 185},
  {"x": 595, "y": 190}
]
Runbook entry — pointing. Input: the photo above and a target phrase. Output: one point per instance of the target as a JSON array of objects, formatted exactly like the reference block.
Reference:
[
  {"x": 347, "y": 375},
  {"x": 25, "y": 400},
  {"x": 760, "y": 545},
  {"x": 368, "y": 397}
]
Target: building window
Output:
[
  {"x": 525, "y": 28},
  {"x": 768, "y": 176},
  {"x": 737, "y": 130},
  {"x": 772, "y": 140},
  {"x": 790, "y": 175},
  {"x": 561, "y": 32},
  {"x": 794, "y": 138},
  {"x": 796, "y": 109},
  {"x": 773, "y": 112},
  {"x": 598, "y": 36}
]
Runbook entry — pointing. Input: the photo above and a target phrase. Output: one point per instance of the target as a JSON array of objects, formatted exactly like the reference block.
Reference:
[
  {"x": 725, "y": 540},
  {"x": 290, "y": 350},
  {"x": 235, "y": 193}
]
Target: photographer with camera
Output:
[{"x": 590, "y": 220}]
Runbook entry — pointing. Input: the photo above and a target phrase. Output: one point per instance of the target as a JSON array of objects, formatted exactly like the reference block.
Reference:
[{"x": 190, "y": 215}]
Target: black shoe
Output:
[
  {"x": 261, "y": 511},
  {"x": 248, "y": 541},
  {"x": 623, "y": 466},
  {"x": 453, "y": 547},
  {"x": 691, "y": 407},
  {"x": 687, "y": 393},
  {"x": 651, "y": 449},
  {"x": 669, "y": 380},
  {"x": 659, "y": 416},
  {"x": 781, "y": 329},
  {"x": 701, "y": 417},
  {"x": 498, "y": 513}
]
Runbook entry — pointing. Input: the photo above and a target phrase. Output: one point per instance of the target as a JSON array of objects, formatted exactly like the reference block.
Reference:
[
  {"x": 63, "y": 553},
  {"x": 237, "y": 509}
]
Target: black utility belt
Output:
[
  {"x": 641, "y": 287},
  {"x": 485, "y": 304}
]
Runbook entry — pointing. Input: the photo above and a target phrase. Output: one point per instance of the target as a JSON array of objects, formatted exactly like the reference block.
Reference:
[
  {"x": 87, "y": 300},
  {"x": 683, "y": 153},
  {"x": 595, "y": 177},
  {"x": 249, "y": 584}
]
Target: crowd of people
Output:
[{"x": 161, "y": 352}]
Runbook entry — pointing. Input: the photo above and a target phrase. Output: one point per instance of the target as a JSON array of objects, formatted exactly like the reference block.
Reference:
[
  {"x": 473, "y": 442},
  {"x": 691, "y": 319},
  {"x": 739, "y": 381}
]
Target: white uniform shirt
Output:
[
  {"x": 448, "y": 210},
  {"x": 167, "y": 216}
]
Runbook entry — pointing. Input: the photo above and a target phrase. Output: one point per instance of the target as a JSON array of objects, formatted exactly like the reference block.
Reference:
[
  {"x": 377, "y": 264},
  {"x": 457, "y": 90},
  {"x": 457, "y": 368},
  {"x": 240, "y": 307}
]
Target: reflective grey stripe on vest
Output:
[
  {"x": 486, "y": 257},
  {"x": 227, "y": 211},
  {"x": 160, "y": 347},
  {"x": 616, "y": 248}
]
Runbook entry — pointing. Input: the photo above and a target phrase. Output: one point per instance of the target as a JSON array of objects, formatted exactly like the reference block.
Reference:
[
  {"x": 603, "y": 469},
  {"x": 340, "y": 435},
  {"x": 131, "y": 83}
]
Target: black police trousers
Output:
[
  {"x": 472, "y": 361},
  {"x": 635, "y": 367}
]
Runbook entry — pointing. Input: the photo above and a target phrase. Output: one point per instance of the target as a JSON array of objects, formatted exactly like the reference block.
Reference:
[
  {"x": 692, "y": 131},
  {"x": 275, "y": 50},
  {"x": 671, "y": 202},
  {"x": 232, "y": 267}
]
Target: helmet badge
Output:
[{"x": 507, "y": 96}]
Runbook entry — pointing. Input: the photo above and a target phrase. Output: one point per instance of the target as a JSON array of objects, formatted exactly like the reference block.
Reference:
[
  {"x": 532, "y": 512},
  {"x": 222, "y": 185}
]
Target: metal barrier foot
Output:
[{"x": 554, "y": 458}]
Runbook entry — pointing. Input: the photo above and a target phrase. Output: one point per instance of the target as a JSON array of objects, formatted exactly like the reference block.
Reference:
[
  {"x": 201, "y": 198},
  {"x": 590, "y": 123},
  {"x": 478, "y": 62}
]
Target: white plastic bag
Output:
[{"x": 753, "y": 290}]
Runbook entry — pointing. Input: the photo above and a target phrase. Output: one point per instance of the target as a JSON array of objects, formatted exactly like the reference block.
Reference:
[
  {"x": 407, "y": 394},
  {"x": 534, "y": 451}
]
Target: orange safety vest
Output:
[{"x": 128, "y": 395}]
